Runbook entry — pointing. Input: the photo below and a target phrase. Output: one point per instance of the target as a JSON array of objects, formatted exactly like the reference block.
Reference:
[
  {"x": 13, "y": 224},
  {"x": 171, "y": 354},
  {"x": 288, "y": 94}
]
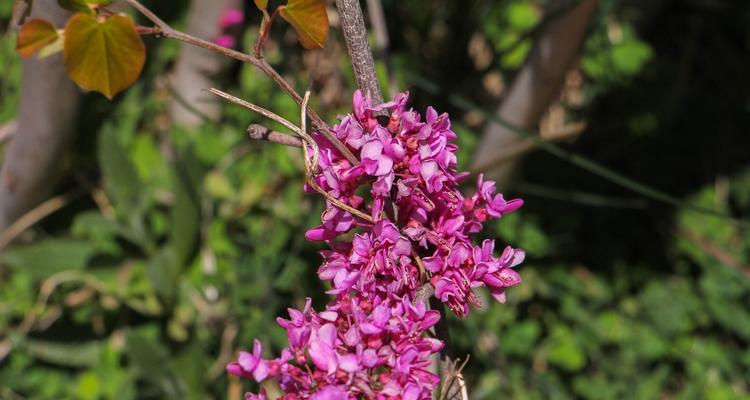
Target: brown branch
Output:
[
  {"x": 519, "y": 148},
  {"x": 355, "y": 35},
  {"x": 260, "y": 110},
  {"x": 260, "y": 132},
  {"x": 167, "y": 31},
  {"x": 537, "y": 83},
  {"x": 716, "y": 251},
  {"x": 35, "y": 215}
]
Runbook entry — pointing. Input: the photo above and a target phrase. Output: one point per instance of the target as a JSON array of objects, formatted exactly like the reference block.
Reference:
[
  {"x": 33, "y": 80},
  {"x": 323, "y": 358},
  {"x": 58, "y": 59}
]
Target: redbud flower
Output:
[
  {"x": 225, "y": 41},
  {"x": 371, "y": 339},
  {"x": 231, "y": 17}
]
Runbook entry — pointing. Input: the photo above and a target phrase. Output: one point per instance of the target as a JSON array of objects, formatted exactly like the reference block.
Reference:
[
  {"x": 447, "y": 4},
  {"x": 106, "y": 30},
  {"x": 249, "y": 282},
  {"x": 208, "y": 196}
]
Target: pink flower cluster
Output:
[{"x": 373, "y": 338}]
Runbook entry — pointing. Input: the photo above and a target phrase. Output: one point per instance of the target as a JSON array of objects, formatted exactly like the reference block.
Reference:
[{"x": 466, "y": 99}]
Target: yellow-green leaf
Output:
[
  {"x": 105, "y": 55},
  {"x": 52, "y": 48},
  {"x": 309, "y": 19},
  {"x": 261, "y": 4},
  {"x": 34, "y": 35}
]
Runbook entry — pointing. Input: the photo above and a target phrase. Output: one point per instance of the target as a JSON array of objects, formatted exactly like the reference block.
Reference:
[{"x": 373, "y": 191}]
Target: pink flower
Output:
[
  {"x": 231, "y": 18},
  {"x": 250, "y": 364},
  {"x": 226, "y": 41},
  {"x": 371, "y": 340}
]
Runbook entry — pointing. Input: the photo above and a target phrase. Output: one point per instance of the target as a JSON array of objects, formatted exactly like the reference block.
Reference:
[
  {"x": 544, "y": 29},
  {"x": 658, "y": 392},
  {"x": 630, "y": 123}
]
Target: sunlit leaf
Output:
[
  {"x": 309, "y": 19},
  {"x": 35, "y": 35},
  {"x": 52, "y": 48},
  {"x": 261, "y": 4},
  {"x": 103, "y": 55}
]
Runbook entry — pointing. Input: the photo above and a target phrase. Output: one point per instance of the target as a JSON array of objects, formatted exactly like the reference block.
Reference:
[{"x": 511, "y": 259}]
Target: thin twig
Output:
[
  {"x": 260, "y": 132},
  {"x": 714, "y": 250},
  {"x": 260, "y": 110},
  {"x": 167, "y": 31},
  {"x": 522, "y": 147},
  {"x": 35, "y": 215}
]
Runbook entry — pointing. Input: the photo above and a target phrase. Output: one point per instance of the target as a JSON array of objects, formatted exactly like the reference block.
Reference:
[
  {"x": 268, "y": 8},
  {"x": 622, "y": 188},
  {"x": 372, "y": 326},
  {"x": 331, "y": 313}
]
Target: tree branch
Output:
[
  {"x": 167, "y": 31},
  {"x": 260, "y": 132},
  {"x": 538, "y": 82},
  {"x": 355, "y": 35}
]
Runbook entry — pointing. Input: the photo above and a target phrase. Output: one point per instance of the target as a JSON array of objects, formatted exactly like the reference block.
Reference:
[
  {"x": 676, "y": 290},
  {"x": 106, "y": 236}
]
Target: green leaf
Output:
[
  {"x": 82, "y": 354},
  {"x": 120, "y": 175},
  {"x": 105, "y": 56},
  {"x": 521, "y": 337},
  {"x": 630, "y": 56},
  {"x": 523, "y": 16},
  {"x": 309, "y": 19},
  {"x": 47, "y": 257},
  {"x": 162, "y": 273},
  {"x": 35, "y": 35},
  {"x": 563, "y": 349},
  {"x": 185, "y": 213}
]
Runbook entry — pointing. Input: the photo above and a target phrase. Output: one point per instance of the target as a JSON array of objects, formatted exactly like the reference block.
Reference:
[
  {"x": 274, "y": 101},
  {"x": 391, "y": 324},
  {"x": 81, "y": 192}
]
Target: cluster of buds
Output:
[{"x": 373, "y": 340}]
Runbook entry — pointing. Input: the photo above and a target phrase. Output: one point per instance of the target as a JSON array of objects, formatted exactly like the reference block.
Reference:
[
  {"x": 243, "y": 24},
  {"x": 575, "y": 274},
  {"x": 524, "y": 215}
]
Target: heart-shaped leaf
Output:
[
  {"x": 52, "y": 48},
  {"x": 34, "y": 35},
  {"x": 261, "y": 4},
  {"x": 103, "y": 55},
  {"x": 309, "y": 19}
]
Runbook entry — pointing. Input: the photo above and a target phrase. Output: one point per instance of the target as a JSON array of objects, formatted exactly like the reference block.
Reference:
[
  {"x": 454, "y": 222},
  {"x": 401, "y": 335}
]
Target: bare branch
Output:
[
  {"x": 167, "y": 31},
  {"x": 35, "y": 215},
  {"x": 260, "y": 132},
  {"x": 260, "y": 110},
  {"x": 355, "y": 34}
]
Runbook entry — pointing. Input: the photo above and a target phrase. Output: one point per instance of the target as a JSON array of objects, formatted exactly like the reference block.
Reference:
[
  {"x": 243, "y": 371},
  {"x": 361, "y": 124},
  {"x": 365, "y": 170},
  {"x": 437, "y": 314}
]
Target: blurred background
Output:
[{"x": 144, "y": 241}]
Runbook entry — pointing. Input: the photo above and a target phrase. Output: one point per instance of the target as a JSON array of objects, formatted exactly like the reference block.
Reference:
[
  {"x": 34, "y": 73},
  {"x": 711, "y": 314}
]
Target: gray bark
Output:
[
  {"x": 536, "y": 86},
  {"x": 46, "y": 117},
  {"x": 355, "y": 35},
  {"x": 196, "y": 68}
]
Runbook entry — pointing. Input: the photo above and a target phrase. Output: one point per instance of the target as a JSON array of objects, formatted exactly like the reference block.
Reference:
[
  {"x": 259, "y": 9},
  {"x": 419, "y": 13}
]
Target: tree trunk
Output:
[
  {"x": 536, "y": 86},
  {"x": 49, "y": 104},
  {"x": 197, "y": 68}
]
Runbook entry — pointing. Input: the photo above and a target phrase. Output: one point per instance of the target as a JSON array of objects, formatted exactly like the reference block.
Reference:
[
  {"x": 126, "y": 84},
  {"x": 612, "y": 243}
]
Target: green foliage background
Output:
[{"x": 199, "y": 248}]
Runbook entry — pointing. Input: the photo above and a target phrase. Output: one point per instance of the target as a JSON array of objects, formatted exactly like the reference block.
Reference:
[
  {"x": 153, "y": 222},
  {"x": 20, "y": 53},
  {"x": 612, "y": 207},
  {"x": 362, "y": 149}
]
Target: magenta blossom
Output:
[
  {"x": 231, "y": 18},
  {"x": 371, "y": 340}
]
